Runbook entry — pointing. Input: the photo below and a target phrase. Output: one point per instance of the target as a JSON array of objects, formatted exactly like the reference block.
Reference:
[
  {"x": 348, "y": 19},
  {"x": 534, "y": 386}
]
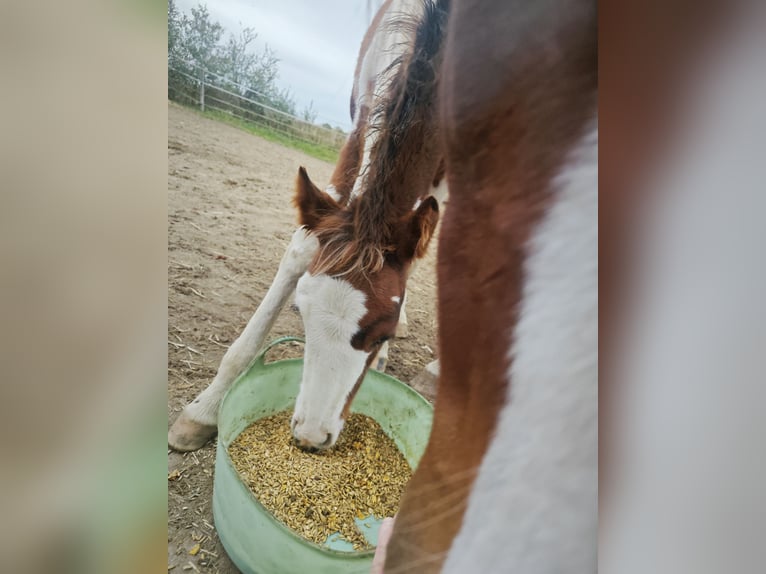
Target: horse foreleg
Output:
[
  {"x": 381, "y": 359},
  {"x": 402, "y": 327},
  {"x": 198, "y": 422}
]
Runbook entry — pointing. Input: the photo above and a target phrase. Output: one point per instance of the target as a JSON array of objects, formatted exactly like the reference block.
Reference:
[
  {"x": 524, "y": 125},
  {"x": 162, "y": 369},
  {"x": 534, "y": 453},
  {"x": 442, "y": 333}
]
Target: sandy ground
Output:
[{"x": 230, "y": 219}]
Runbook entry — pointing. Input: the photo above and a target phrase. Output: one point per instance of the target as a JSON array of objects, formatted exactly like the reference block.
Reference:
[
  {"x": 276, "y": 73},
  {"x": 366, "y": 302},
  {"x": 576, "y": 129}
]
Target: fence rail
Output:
[{"x": 207, "y": 94}]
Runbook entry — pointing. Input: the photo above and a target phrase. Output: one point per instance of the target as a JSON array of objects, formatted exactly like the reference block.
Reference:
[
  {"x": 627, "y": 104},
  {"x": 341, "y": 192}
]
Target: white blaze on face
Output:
[{"x": 331, "y": 309}]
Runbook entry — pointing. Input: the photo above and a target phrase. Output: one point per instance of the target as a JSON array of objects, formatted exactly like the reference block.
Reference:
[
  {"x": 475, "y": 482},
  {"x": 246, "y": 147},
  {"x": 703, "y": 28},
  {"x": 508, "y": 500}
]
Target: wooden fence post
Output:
[{"x": 202, "y": 90}]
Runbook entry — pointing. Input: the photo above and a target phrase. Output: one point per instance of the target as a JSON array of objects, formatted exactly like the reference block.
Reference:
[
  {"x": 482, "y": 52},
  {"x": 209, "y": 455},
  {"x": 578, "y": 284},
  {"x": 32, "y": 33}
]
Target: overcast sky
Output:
[{"x": 316, "y": 41}]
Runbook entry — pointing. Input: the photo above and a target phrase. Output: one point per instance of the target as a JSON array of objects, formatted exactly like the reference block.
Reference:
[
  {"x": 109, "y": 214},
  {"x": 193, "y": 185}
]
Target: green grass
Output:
[{"x": 325, "y": 153}]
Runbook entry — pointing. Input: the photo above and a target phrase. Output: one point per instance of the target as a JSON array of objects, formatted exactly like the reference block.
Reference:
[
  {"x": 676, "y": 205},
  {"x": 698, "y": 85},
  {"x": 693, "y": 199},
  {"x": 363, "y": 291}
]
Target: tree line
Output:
[{"x": 199, "y": 45}]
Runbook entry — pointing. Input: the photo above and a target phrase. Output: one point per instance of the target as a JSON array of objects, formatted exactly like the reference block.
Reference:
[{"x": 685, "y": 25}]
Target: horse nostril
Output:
[
  {"x": 307, "y": 447},
  {"x": 303, "y": 446}
]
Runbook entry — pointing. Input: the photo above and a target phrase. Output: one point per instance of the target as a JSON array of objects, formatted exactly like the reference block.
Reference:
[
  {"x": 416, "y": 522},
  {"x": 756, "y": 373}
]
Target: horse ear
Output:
[
  {"x": 419, "y": 227},
  {"x": 312, "y": 203}
]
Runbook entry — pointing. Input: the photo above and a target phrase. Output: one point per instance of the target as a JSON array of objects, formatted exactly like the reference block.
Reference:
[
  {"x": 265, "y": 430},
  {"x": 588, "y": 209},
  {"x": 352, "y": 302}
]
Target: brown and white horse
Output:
[
  {"x": 349, "y": 261},
  {"x": 508, "y": 482}
]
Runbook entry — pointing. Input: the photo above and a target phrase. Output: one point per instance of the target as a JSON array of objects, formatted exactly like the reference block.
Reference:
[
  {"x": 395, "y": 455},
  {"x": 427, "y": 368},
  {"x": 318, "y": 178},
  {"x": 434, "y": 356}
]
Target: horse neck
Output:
[
  {"x": 386, "y": 44},
  {"x": 403, "y": 153}
]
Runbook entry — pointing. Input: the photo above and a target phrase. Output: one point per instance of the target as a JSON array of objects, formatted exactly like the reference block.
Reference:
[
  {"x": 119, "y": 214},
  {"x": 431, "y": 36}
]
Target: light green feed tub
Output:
[{"x": 253, "y": 538}]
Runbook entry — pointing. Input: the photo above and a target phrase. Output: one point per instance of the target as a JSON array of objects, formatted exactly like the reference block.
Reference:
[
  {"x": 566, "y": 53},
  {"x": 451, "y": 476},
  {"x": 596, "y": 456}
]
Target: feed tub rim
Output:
[{"x": 222, "y": 447}]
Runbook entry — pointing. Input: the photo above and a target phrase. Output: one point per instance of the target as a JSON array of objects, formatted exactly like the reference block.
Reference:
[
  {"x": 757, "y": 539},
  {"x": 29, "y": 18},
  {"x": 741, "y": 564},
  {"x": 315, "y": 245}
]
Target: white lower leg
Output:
[
  {"x": 402, "y": 327},
  {"x": 381, "y": 359},
  {"x": 204, "y": 409}
]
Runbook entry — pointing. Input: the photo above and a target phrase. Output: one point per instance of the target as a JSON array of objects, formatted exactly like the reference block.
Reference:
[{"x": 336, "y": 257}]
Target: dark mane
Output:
[{"x": 403, "y": 160}]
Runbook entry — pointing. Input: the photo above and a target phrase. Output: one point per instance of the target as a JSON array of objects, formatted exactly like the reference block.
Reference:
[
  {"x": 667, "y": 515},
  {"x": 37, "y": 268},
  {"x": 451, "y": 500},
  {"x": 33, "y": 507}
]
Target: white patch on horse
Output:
[
  {"x": 441, "y": 191},
  {"x": 396, "y": 300},
  {"x": 376, "y": 72},
  {"x": 533, "y": 507},
  {"x": 332, "y": 192},
  {"x": 331, "y": 309}
]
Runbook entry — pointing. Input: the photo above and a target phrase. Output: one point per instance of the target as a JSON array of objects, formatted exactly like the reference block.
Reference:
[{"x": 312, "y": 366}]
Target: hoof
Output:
[
  {"x": 381, "y": 364},
  {"x": 186, "y": 434},
  {"x": 402, "y": 331}
]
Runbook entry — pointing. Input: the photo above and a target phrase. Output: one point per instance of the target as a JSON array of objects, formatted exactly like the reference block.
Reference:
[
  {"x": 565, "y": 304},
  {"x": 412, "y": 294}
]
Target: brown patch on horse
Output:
[
  {"x": 380, "y": 222},
  {"x": 407, "y": 152},
  {"x": 516, "y": 97},
  {"x": 379, "y": 323},
  {"x": 350, "y": 159},
  {"x": 344, "y": 251},
  {"x": 413, "y": 243},
  {"x": 313, "y": 204}
]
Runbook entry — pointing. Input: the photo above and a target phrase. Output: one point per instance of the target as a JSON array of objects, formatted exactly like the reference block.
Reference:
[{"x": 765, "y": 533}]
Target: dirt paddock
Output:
[{"x": 230, "y": 218}]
